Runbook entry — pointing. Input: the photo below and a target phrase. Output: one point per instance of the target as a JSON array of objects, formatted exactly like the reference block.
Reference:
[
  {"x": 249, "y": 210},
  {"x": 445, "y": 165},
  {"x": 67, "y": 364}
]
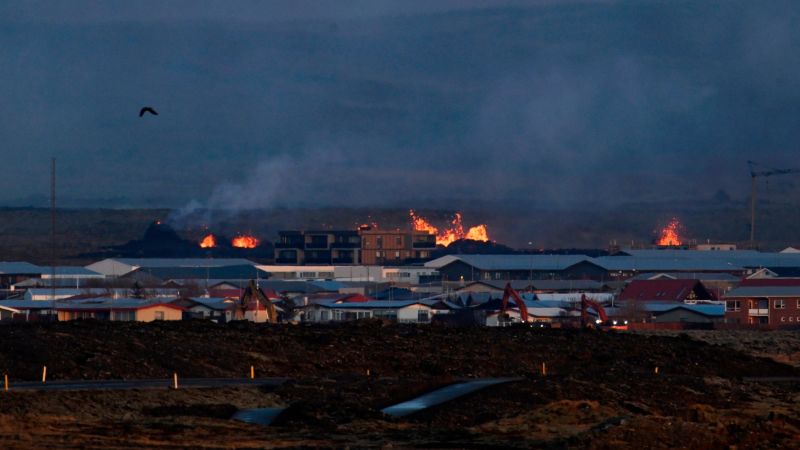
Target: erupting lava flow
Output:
[
  {"x": 244, "y": 241},
  {"x": 208, "y": 242},
  {"x": 455, "y": 232},
  {"x": 669, "y": 234}
]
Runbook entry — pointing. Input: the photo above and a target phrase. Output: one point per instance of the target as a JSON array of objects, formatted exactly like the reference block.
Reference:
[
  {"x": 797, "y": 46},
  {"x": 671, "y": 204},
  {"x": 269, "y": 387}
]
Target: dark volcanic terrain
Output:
[{"x": 600, "y": 391}]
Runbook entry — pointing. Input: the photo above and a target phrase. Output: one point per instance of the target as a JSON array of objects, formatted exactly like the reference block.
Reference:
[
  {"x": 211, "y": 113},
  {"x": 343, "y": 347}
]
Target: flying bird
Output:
[{"x": 147, "y": 109}]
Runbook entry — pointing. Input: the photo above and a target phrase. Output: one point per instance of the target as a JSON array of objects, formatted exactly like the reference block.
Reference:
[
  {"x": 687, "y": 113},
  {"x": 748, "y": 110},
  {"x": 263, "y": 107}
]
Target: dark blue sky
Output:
[{"x": 407, "y": 103}]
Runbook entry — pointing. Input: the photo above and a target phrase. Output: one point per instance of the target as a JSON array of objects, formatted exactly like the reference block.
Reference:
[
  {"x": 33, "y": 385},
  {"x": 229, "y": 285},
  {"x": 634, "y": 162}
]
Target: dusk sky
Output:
[{"x": 408, "y": 103}]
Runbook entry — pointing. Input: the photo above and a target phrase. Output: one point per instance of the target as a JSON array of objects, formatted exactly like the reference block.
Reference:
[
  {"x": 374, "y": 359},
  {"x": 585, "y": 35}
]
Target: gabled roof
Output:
[
  {"x": 764, "y": 291},
  {"x": 664, "y": 289}
]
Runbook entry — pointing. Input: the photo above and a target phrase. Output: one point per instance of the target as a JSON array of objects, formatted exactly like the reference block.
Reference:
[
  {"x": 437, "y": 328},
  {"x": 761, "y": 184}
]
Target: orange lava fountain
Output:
[
  {"x": 208, "y": 242},
  {"x": 451, "y": 234},
  {"x": 669, "y": 234},
  {"x": 244, "y": 241}
]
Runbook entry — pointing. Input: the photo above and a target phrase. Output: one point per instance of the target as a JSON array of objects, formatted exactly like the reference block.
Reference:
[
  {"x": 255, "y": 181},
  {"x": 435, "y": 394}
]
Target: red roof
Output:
[
  {"x": 353, "y": 298},
  {"x": 666, "y": 290},
  {"x": 770, "y": 282}
]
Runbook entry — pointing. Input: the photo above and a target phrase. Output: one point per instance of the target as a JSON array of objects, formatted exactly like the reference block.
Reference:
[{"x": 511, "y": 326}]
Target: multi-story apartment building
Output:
[
  {"x": 318, "y": 247},
  {"x": 394, "y": 247}
]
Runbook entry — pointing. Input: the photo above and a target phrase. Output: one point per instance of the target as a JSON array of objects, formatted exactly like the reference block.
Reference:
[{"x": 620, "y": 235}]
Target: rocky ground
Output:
[{"x": 601, "y": 390}]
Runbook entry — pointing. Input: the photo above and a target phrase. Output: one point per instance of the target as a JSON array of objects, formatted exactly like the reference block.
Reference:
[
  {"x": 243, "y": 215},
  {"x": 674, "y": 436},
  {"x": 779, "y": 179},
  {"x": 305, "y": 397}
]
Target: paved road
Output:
[{"x": 90, "y": 385}]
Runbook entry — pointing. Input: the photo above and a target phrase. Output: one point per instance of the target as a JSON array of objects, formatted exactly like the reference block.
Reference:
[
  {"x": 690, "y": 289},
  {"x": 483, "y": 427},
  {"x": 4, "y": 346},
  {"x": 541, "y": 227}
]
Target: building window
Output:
[
  {"x": 159, "y": 315},
  {"x": 397, "y": 255},
  {"x": 308, "y": 275},
  {"x": 379, "y": 241},
  {"x": 733, "y": 305},
  {"x": 798, "y": 304},
  {"x": 124, "y": 316},
  {"x": 422, "y": 316},
  {"x": 398, "y": 241},
  {"x": 780, "y": 304}
]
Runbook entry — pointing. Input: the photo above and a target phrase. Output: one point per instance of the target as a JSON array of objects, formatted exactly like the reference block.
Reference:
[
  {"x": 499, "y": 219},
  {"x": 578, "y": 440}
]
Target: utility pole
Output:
[{"x": 53, "y": 233}]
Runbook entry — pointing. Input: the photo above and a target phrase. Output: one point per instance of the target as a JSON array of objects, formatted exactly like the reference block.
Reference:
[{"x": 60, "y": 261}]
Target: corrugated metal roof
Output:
[{"x": 764, "y": 291}]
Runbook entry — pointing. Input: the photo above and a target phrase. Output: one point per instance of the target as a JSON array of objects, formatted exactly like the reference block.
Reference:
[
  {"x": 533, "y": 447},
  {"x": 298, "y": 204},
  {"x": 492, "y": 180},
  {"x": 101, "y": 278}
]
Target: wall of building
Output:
[
  {"x": 149, "y": 314},
  {"x": 764, "y": 311}
]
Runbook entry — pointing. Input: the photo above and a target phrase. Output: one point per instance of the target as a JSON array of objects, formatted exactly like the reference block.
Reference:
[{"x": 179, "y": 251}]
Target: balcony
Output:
[
  {"x": 295, "y": 245},
  {"x": 424, "y": 245},
  {"x": 759, "y": 312}
]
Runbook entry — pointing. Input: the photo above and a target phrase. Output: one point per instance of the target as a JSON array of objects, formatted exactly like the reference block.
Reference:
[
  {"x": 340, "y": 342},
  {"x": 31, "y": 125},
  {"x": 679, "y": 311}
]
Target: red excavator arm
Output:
[
  {"x": 510, "y": 292},
  {"x": 587, "y": 303}
]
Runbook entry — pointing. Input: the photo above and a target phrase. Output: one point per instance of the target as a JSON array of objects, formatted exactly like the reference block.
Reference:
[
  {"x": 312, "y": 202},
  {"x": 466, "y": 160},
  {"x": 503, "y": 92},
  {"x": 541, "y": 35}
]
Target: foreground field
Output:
[{"x": 601, "y": 390}]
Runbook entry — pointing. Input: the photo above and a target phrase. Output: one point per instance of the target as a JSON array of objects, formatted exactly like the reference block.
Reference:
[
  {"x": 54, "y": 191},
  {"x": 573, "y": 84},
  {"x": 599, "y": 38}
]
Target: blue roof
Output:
[
  {"x": 662, "y": 307},
  {"x": 19, "y": 267}
]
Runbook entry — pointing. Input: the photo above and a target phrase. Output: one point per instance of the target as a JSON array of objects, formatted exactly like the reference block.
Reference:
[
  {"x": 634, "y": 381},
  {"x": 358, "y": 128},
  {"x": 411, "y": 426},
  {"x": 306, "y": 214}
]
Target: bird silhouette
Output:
[{"x": 147, "y": 109}]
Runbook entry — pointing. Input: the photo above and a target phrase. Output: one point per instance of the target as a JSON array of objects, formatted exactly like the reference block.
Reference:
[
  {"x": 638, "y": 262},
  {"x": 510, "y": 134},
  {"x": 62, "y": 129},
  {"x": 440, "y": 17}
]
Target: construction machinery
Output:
[
  {"x": 753, "y": 175},
  {"x": 253, "y": 299},
  {"x": 509, "y": 293},
  {"x": 602, "y": 322}
]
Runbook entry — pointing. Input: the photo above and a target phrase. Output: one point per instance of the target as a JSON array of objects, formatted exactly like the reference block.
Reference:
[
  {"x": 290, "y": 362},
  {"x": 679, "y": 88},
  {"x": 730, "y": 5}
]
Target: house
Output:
[
  {"x": 668, "y": 312},
  {"x": 8, "y": 313},
  {"x": 773, "y": 305},
  {"x": 680, "y": 290},
  {"x": 125, "y": 309},
  {"x": 411, "y": 311},
  {"x": 537, "y": 314},
  {"x": 30, "y": 311},
  {"x": 465, "y": 268},
  {"x": 219, "y": 309}
]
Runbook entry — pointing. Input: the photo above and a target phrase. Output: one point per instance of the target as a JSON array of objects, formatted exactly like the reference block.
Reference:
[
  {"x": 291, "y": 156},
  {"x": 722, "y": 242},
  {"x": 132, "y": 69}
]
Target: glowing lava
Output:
[
  {"x": 451, "y": 234},
  {"x": 208, "y": 242},
  {"x": 244, "y": 241},
  {"x": 669, "y": 234}
]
